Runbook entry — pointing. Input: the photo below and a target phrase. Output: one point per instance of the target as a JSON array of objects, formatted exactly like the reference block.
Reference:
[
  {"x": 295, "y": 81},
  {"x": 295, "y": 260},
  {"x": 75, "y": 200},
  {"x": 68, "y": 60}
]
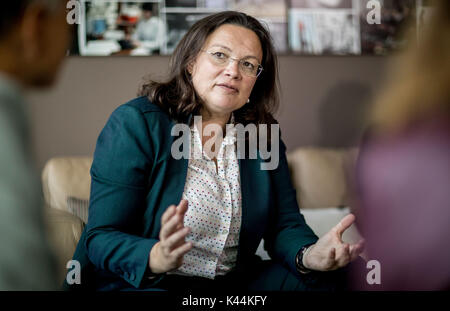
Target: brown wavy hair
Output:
[{"x": 177, "y": 95}]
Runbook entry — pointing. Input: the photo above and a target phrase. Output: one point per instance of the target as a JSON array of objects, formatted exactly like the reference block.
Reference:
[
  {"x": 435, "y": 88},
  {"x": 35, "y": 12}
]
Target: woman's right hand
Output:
[{"x": 167, "y": 254}]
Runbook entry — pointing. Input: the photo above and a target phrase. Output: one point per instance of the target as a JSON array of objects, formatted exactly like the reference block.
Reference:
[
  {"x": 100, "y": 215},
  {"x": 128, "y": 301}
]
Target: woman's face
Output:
[{"x": 225, "y": 88}]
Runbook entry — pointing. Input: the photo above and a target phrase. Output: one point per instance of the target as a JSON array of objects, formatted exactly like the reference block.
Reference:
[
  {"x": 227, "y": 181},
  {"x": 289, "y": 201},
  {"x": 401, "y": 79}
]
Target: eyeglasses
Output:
[{"x": 247, "y": 65}]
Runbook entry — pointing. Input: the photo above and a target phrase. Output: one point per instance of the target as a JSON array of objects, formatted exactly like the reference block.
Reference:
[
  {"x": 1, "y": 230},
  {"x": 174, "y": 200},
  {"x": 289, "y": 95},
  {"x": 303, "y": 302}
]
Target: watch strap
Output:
[{"x": 299, "y": 260}]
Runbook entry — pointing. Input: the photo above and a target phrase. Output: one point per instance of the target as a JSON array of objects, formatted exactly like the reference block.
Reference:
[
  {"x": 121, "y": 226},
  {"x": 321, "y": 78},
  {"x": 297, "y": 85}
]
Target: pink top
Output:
[{"x": 404, "y": 187}]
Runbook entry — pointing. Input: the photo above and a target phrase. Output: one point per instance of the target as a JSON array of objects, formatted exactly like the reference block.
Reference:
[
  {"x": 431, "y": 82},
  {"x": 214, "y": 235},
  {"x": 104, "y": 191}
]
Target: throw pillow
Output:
[{"x": 78, "y": 207}]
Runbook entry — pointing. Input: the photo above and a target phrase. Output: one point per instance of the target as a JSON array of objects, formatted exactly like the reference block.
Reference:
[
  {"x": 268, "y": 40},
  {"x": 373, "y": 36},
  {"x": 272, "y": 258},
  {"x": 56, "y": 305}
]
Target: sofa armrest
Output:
[{"x": 64, "y": 231}]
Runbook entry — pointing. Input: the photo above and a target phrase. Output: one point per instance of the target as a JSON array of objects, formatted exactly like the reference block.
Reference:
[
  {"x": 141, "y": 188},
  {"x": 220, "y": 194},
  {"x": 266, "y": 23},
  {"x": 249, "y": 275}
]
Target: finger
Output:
[
  {"x": 181, "y": 210},
  {"x": 180, "y": 226},
  {"x": 340, "y": 249},
  {"x": 344, "y": 224},
  {"x": 360, "y": 245},
  {"x": 177, "y": 238},
  {"x": 181, "y": 251},
  {"x": 169, "y": 227},
  {"x": 355, "y": 253},
  {"x": 344, "y": 257},
  {"x": 182, "y": 207},
  {"x": 332, "y": 254},
  {"x": 168, "y": 214},
  {"x": 331, "y": 259},
  {"x": 356, "y": 249}
]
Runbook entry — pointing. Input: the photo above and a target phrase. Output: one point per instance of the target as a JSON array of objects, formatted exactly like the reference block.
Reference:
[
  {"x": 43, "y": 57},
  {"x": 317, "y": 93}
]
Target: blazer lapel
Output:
[{"x": 180, "y": 167}]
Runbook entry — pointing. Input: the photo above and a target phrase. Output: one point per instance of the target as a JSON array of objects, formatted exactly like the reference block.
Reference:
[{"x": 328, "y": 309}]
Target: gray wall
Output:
[{"x": 323, "y": 100}]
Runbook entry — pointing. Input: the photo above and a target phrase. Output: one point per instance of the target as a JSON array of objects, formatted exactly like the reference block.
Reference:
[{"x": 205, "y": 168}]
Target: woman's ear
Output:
[{"x": 190, "y": 67}]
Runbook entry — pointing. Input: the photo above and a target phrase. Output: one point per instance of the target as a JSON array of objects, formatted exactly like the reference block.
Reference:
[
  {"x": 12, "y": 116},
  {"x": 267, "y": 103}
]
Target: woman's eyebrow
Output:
[
  {"x": 221, "y": 46},
  {"x": 228, "y": 49}
]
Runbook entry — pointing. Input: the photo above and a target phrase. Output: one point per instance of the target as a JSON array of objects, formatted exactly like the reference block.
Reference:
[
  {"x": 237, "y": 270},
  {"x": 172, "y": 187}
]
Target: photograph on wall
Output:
[
  {"x": 348, "y": 27},
  {"x": 328, "y": 32},
  {"x": 121, "y": 28},
  {"x": 216, "y": 4},
  {"x": 322, "y": 4},
  {"x": 181, "y": 3},
  {"x": 309, "y": 27},
  {"x": 271, "y": 13},
  {"x": 386, "y": 37},
  {"x": 324, "y": 27},
  {"x": 178, "y": 24}
]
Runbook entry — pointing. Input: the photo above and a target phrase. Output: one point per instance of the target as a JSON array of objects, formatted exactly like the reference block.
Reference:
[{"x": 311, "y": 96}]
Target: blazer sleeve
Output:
[
  {"x": 288, "y": 232},
  {"x": 122, "y": 160}
]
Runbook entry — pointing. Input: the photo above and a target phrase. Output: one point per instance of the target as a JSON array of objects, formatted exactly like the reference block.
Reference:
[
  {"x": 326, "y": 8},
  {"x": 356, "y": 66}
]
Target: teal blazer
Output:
[{"x": 135, "y": 179}]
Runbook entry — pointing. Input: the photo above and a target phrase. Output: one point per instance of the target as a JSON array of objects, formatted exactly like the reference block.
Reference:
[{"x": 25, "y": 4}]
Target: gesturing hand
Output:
[
  {"x": 167, "y": 254},
  {"x": 330, "y": 252}
]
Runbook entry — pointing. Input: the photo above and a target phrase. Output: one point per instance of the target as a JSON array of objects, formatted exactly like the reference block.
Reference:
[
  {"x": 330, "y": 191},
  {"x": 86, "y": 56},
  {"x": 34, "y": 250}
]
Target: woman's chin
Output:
[{"x": 223, "y": 106}]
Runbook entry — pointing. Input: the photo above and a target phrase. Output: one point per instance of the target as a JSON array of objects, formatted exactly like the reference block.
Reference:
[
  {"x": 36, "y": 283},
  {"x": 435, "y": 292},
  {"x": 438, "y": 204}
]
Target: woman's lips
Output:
[{"x": 227, "y": 88}]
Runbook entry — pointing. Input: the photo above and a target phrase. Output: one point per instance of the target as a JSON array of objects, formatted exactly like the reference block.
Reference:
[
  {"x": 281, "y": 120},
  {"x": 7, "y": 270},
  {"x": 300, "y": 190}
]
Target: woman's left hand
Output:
[{"x": 330, "y": 252}]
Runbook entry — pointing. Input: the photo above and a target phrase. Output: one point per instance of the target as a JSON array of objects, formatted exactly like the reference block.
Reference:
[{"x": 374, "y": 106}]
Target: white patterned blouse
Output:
[{"x": 214, "y": 212}]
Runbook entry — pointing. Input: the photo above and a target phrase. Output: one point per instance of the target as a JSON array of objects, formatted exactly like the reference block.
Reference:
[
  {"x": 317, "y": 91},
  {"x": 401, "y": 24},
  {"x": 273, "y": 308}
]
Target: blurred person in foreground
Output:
[
  {"x": 404, "y": 168},
  {"x": 34, "y": 36}
]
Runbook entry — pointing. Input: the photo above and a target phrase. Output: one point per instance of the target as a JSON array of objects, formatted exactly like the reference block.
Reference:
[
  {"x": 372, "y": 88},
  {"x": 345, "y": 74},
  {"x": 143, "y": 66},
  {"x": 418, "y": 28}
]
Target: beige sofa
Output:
[{"x": 321, "y": 177}]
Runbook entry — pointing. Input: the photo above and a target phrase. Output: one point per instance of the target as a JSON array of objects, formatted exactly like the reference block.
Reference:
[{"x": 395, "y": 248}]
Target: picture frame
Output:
[{"x": 298, "y": 27}]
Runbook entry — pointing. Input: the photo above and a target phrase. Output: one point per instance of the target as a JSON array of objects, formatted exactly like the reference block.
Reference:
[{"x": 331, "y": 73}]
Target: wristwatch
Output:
[{"x": 299, "y": 260}]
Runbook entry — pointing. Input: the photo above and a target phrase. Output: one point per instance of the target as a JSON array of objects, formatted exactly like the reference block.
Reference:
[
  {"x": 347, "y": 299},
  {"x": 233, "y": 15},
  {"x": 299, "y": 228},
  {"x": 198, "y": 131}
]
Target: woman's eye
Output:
[
  {"x": 219, "y": 55},
  {"x": 249, "y": 65}
]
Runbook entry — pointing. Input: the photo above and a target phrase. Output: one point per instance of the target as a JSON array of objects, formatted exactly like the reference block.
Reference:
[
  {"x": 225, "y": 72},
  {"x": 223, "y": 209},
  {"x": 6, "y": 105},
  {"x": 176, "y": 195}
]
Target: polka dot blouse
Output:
[{"x": 214, "y": 213}]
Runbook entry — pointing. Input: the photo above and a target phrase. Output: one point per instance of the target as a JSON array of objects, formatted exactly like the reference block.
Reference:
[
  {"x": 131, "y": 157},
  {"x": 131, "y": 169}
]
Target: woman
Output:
[
  {"x": 404, "y": 168},
  {"x": 161, "y": 222}
]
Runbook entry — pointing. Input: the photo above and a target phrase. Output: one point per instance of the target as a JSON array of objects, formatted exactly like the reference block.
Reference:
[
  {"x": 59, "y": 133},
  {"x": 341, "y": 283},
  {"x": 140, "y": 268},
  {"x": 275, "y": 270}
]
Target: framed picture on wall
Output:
[
  {"x": 302, "y": 27},
  {"x": 348, "y": 27},
  {"x": 327, "y": 32},
  {"x": 322, "y": 4},
  {"x": 387, "y": 36},
  {"x": 177, "y": 25},
  {"x": 273, "y": 14},
  {"x": 121, "y": 28}
]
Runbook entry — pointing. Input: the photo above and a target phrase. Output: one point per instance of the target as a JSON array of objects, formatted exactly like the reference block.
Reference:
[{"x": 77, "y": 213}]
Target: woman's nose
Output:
[{"x": 232, "y": 68}]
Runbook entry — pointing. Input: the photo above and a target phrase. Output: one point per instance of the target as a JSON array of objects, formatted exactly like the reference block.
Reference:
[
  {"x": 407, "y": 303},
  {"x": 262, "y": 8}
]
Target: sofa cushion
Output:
[
  {"x": 79, "y": 208},
  {"x": 66, "y": 177},
  {"x": 64, "y": 231},
  {"x": 322, "y": 176}
]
